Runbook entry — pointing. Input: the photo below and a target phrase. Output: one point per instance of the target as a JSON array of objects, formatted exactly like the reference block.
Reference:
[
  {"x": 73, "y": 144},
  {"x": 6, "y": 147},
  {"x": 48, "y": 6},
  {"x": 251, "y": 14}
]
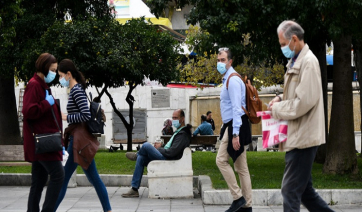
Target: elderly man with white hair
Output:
[{"x": 302, "y": 105}]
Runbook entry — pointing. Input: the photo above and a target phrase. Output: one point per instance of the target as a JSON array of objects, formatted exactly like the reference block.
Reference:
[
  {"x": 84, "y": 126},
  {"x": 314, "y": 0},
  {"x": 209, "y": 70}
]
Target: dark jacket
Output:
[
  {"x": 85, "y": 145},
  {"x": 211, "y": 121},
  {"x": 181, "y": 140},
  {"x": 37, "y": 112}
]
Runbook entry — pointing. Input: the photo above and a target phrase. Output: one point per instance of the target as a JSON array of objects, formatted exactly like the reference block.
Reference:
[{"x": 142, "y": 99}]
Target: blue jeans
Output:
[
  {"x": 297, "y": 184},
  {"x": 146, "y": 154},
  {"x": 92, "y": 175}
]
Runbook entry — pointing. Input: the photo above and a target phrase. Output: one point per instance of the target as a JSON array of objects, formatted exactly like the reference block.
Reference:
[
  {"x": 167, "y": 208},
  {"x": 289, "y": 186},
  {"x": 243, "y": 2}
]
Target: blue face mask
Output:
[
  {"x": 288, "y": 53},
  {"x": 63, "y": 82},
  {"x": 50, "y": 77},
  {"x": 221, "y": 67},
  {"x": 176, "y": 123}
]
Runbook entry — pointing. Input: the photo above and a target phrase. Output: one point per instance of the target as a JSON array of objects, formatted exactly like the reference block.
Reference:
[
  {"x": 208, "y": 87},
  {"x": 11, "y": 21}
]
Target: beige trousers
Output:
[{"x": 240, "y": 166}]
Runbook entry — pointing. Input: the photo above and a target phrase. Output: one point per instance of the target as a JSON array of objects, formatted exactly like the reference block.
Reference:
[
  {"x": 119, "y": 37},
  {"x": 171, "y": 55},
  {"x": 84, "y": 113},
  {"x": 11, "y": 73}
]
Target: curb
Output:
[
  {"x": 269, "y": 197},
  {"x": 209, "y": 195}
]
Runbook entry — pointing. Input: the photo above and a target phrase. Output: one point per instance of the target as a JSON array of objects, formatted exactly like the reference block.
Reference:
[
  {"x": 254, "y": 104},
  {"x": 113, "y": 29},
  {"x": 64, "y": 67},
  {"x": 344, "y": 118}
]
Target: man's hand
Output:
[
  {"x": 157, "y": 145},
  {"x": 276, "y": 99},
  {"x": 236, "y": 143}
]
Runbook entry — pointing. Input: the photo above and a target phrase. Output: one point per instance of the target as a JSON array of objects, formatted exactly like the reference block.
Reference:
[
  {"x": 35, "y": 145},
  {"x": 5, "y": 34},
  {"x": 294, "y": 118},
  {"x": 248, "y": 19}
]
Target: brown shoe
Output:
[
  {"x": 131, "y": 193},
  {"x": 132, "y": 156}
]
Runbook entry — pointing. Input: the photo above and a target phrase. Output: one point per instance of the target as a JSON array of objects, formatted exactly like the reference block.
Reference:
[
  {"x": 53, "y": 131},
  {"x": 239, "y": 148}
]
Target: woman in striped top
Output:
[{"x": 78, "y": 112}]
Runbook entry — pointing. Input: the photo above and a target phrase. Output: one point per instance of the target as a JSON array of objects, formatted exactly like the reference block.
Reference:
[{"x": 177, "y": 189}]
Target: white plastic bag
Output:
[
  {"x": 65, "y": 157},
  {"x": 275, "y": 131}
]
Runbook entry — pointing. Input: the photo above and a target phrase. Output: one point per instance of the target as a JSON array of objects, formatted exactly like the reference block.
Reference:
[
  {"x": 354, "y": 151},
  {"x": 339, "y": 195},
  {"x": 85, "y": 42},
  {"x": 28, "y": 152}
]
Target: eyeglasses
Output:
[{"x": 223, "y": 49}]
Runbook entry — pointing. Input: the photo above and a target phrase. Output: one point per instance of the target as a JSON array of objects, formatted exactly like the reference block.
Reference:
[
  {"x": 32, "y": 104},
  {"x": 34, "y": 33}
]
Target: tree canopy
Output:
[{"x": 111, "y": 55}]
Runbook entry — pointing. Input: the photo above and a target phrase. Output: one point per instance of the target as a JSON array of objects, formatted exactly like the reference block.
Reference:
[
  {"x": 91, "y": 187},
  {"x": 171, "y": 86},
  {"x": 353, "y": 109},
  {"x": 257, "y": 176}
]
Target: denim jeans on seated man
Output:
[
  {"x": 172, "y": 151},
  {"x": 146, "y": 154}
]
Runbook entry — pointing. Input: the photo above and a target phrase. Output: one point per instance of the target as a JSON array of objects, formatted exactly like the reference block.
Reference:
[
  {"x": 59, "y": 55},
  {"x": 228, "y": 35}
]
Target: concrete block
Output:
[
  {"x": 111, "y": 180},
  {"x": 102, "y": 141},
  {"x": 325, "y": 194},
  {"x": 217, "y": 197},
  {"x": 274, "y": 197},
  {"x": 73, "y": 180},
  {"x": 171, "y": 178},
  {"x": 260, "y": 197},
  {"x": 11, "y": 153},
  {"x": 8, "y": 179},
  {"x": 346, "y": 196}
]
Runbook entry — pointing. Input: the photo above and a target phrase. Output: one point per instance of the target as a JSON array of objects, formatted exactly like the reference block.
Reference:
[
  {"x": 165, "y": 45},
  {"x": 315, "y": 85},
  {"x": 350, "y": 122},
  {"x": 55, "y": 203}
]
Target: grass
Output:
[{"x": 266, "y": 170}]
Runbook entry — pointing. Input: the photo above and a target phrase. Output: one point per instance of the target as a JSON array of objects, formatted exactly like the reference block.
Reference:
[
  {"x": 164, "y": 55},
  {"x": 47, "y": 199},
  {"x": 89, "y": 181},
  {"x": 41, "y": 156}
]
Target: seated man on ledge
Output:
[
  {"x": 204, "y": 128},
  {"x": 173, "y": 150}
]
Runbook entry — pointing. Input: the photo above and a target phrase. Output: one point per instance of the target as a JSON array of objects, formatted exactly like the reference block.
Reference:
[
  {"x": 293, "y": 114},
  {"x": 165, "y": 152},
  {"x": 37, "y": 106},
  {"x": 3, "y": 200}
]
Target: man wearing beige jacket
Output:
[{"x": 302, "y": 105}]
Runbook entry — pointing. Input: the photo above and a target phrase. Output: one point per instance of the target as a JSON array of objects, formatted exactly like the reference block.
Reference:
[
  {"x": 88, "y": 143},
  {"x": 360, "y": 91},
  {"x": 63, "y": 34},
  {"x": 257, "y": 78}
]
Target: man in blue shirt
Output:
[
  {"x": 234, "y": 135},
  {"x": 204, "y": 128}
]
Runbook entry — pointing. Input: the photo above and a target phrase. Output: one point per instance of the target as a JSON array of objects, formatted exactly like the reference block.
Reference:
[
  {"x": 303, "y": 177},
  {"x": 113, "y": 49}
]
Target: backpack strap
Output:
[
  {"x": 247, "y": 81},
  {"x": 231, "y": 75}
]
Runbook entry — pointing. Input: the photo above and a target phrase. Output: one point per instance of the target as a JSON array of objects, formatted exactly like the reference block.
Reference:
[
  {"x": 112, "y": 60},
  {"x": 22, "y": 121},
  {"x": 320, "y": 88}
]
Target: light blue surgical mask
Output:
[
  {"x": 288, "y": 53},
  {"x": 64, "y": 83},
  {"x": 50, "y": 77},
  {"x": 176, "y": 123},
  {"x": 221, "y": 67}
]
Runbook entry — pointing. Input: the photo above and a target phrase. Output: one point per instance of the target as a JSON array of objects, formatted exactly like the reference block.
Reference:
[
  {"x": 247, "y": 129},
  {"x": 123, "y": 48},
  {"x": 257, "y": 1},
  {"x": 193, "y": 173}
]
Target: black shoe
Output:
[
  {"x": 236, "y": 205},
  {"x": 249, "y": 209}
]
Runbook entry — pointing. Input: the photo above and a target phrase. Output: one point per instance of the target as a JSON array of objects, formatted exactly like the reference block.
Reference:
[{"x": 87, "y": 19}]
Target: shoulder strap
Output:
[
  {"x": 233, "y": 74},
  {"x": 55, "y": 119}
]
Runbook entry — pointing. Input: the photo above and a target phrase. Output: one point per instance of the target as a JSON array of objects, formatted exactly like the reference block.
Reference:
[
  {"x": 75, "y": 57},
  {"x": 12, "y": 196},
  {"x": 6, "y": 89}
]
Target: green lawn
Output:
[{"x": 266, "y": 170}]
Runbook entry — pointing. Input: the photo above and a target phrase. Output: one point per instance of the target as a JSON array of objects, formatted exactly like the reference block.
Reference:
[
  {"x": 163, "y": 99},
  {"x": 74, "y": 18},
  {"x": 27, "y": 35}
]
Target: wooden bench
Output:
[
  {"x": 200, "y": 140},
  {"x": 171, "y": 178},
  {"x": 124, "y": 141}
]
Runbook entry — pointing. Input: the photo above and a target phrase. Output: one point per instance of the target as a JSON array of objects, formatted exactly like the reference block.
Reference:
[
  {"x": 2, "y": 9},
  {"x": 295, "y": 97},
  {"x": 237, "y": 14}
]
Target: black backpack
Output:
[{"x": 96, "y": 122}]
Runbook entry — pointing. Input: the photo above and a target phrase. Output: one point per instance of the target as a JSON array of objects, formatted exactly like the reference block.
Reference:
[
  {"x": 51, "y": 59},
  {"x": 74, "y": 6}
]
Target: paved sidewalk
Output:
[{"x": 82, "y": 199}]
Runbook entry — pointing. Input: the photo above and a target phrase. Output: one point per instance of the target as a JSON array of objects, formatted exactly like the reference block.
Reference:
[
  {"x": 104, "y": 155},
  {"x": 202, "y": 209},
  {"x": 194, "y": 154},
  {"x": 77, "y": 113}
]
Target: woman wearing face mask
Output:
[
  {"x": 76, "y": 132},
  {"x": 167, "y": 127},
  {"x": 38, "y": 104}
]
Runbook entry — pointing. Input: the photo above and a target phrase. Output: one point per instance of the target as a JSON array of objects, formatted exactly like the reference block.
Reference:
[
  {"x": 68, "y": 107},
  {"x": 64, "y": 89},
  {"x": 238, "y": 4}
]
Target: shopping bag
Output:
[{"x": 275, "y": 131}]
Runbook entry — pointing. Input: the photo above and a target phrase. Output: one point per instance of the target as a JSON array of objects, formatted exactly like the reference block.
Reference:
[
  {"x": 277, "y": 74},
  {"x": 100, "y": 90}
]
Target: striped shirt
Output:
[{"x": 77, "y": 107}]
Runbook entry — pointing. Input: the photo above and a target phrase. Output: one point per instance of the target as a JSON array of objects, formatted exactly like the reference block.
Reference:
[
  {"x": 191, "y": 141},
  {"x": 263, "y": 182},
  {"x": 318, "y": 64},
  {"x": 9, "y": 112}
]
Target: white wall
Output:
[{"x": 179, "y": 99}]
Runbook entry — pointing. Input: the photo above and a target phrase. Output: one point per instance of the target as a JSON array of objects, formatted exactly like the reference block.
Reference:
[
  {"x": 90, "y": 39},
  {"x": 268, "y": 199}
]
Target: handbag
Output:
[
  {"x": 48, "y": 142},
  {"x": 275, "y": 131}
]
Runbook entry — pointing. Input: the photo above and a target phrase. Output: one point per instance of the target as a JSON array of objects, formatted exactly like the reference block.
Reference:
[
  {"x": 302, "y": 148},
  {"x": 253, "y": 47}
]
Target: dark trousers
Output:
[
  {"x": 297, "y": 185},
  {"x": 39, "y": 177}
]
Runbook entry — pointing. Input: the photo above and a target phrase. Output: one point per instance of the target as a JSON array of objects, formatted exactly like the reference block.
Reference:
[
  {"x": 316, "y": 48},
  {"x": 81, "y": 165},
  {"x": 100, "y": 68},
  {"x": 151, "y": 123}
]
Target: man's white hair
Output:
[{"x": 290, "y": 28}]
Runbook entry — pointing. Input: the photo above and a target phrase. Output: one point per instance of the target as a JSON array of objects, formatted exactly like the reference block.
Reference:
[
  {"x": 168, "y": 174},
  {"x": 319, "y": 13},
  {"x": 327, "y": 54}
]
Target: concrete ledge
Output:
[
  {"x": 111, "y": 180},
  {"x": 209, "y": 195},
  {"x": 270, "y": 197},
  {"x": 7, "y": 179}
]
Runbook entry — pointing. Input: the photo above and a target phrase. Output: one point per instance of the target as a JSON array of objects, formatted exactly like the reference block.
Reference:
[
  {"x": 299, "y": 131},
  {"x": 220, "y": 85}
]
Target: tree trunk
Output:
[
  {"x": 341, "y": 157},
  {"x": 130, "y": 100},
  {"x": 319, "y": 49},
  {"x": 357, "y": 47},
  {"x": 9, "y": 124}
]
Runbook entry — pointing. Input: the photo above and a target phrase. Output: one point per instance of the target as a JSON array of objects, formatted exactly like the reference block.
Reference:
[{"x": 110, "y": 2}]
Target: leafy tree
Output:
[
  {"x": 112, "y": 55},
  {"x": 203, "y": 68},
  {"x": 24, "y": 22},
  {"x": 343, "y": 21},
  {"x": 226, "y": 21},
  {"x": 9, "y": 127}
]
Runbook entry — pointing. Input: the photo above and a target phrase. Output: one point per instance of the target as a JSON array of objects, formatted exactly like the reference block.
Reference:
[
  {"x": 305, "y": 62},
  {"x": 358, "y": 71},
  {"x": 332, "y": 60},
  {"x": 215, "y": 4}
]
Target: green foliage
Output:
[
  {"x": 203, "y": 68},
  {"x": 31, "y": 20},
  {"x": 9, "y": 12},
  {"x": 110, "y": 54}
]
